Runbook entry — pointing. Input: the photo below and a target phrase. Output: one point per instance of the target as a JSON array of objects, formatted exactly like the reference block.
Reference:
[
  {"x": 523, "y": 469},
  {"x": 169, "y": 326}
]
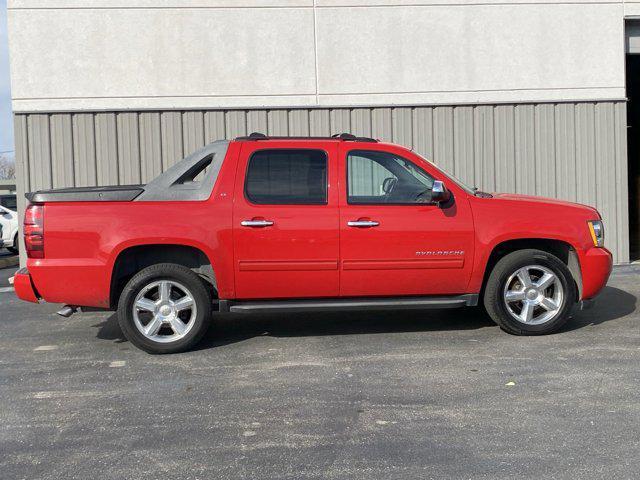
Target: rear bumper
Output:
[
  {"x": 596, "y": 265},
  {"x": 23, "y": 286}
]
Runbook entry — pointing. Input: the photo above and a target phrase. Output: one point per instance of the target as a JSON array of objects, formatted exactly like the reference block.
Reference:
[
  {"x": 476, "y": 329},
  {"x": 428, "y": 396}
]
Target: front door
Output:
[
  {"x": 393, "y": 240},
  {"x": 285, "y": 221}
]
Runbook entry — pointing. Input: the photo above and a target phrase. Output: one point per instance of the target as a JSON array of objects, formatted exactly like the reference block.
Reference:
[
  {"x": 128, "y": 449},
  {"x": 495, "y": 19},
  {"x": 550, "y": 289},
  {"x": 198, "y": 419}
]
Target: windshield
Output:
[{"x": 456, "y": 180}]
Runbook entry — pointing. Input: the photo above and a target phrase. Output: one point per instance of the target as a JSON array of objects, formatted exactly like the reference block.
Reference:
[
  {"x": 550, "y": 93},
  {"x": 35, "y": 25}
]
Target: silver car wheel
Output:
[
  {"x": 164, "y": 311},
  {"x": 533, "y": 295}
]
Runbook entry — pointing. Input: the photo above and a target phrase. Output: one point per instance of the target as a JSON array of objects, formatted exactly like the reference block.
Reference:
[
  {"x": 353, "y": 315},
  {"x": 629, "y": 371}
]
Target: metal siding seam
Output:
[
  {"x": 422, "y": 118},
  {"x": 524, "y": 149},
  {"x": 545, "y": 150},
  {"x": 128, "y": 137},
  {"x": 84, "y": 149},
  {"x": 257, "y": 121},
  {"x": 277, "y": 123},
  {"x": 22, "y": 174},
  {"x": 39, "y": 151},
  {"x": 61, "y": 151},
  {"x": 585, "y": 154},
  {"x": 622, "y": 179},
  {"x": 106, "y": 149},
  {"x": 150, "y": 145},
  {"x": 565, "y": 151},
  {"x": 171, "y": 135},
  {"x": 463, "y": 134},
  {"x": 382, "y": 124},
  {"x": 192, "y": 131},
  {"x": 298, "y": 122},
  {"x": 402, "y": 131},
  {"x": 484, "y": 148},
  {"x": 340, "y": 120},
  {"x": 361, "y": 122},
  {"x": 504, "y": 124},
  {"x": 236, "y": 123},
  {"x": 214, "y": 126},
  {"x": 605, "y": 154},
  {"x": 319, "y": 122}
]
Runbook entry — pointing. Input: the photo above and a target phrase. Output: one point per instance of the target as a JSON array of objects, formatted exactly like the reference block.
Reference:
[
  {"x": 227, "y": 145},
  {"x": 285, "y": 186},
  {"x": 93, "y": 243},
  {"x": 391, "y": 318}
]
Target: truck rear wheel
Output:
[
  {"x": 164, "y": 308},
  {"x": 530, "y": 292},
  {"x": 14, "y": 248}
]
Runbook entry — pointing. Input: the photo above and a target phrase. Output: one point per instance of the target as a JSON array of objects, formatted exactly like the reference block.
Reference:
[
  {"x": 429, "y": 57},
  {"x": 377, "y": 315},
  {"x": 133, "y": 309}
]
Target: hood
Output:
[{"x": 544, "y": 200}]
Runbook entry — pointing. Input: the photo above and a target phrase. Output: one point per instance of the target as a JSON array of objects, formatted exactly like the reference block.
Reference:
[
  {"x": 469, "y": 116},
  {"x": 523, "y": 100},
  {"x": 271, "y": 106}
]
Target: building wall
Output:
[
  {"x": 575, "y": 151},
  {"x": 144, "y": 54}
]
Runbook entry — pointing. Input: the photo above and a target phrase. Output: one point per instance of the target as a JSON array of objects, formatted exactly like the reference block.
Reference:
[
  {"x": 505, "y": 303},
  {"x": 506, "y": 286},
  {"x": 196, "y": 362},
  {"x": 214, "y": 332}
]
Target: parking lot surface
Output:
[{"x": 389, "y": 395}]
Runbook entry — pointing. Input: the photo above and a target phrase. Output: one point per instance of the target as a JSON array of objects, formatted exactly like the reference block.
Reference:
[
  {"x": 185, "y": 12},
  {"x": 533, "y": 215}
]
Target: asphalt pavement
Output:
[
  {"x": 371, "y": 395},
  {"x": 6, "y": 273}
]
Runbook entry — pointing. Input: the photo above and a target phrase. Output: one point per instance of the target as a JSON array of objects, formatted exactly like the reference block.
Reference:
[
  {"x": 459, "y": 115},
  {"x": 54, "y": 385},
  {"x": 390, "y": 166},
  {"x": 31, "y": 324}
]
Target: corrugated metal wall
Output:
[{"x": 573, "y": 151}]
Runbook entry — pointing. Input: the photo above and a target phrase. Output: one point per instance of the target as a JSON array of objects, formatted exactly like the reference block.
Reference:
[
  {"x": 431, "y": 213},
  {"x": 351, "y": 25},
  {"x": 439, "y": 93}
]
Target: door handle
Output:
[
  {"x": 256, "y": 223},
  {"x": 363, "y": 223}
]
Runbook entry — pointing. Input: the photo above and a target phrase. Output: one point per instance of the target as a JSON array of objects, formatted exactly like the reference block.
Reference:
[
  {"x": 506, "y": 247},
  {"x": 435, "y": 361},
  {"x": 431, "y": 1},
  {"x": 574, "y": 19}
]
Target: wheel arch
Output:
[
  {"x": 559, "y": 248},
  {"x": 132, "y": 259}
]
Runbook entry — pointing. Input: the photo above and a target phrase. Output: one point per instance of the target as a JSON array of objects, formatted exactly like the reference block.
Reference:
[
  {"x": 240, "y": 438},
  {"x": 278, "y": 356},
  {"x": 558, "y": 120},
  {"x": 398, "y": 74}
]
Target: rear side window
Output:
[{"x": 287, "y": 177}]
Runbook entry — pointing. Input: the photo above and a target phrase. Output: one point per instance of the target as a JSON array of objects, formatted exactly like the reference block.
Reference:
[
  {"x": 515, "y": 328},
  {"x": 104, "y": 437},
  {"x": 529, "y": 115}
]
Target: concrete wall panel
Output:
[{"x": 207, "y": 54}]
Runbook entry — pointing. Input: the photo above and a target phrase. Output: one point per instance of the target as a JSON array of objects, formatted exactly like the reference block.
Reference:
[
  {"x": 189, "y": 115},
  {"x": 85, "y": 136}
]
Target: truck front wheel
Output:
[
  {"x": 530, "y": 292},
  {"x": 164, "y": 308}
]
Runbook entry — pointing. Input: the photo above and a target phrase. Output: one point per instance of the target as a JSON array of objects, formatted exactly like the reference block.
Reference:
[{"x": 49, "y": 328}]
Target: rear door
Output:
[
  {"x": 285, "y": 220},
  {"x": 393, "y": 240}
]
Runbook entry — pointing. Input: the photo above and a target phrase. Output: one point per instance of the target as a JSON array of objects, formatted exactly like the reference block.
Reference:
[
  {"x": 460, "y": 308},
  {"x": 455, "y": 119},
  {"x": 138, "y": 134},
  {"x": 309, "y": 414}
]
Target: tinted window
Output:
[
  {"x": 287, "y": 177},
  {"x": 9, "y": 201},
  {"x": 381, "y": 177}
]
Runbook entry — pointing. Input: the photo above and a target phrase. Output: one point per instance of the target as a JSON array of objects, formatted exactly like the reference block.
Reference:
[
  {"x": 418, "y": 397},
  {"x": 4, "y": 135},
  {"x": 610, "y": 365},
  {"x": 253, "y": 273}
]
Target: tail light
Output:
[{"x": 34, "y": 231}]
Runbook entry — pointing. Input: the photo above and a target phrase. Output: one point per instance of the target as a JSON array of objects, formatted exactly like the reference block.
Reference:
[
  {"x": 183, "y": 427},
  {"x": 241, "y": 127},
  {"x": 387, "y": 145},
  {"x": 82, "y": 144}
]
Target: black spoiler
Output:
[{"x": 120, "y": 193}]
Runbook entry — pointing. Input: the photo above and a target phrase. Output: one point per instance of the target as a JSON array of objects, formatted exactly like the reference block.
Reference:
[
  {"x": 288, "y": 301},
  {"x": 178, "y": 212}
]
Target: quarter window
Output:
[
  {"x": 380, "y": 177},
  {"x": 287, "y": 177}
]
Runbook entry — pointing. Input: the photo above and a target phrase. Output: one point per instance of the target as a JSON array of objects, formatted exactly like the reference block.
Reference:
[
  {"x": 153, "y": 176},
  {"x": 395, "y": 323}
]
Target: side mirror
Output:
[{"x": 439, "y": 193}]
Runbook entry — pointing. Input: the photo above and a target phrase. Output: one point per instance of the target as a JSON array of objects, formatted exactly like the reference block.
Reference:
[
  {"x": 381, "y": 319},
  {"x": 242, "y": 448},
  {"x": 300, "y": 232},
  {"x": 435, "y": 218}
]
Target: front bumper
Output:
[
  {"x": 23, "y": 286},
  {"x": 596, "y": 265}
]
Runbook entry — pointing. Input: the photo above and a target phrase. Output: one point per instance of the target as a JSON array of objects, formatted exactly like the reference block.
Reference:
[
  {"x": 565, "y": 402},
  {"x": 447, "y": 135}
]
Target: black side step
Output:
[{"x": 331, "y": 304}]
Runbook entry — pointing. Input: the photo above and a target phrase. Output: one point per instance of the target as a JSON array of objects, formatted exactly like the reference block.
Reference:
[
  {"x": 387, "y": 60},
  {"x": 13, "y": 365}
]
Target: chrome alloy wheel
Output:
[
  {"x": 164, "y": 311},
  {"x": 533, "y": 295}
]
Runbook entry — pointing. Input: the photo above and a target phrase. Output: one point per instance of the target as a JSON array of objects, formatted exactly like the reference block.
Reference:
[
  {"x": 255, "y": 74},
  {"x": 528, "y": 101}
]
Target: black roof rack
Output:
[{"x": 347, "y": 137}]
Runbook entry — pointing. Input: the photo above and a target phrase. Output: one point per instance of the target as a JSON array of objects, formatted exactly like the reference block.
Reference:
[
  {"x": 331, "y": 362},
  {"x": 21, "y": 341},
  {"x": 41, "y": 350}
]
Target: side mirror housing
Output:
[{"x": 439, "y": 193}]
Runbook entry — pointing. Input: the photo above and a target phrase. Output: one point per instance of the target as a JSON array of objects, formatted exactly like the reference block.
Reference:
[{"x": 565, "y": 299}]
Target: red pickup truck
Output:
[{"x": 294, "y": 224}]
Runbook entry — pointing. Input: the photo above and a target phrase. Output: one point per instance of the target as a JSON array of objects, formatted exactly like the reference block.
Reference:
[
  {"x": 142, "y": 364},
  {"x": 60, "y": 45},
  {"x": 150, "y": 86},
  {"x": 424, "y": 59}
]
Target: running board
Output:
[{"x": 332, "y": 304}]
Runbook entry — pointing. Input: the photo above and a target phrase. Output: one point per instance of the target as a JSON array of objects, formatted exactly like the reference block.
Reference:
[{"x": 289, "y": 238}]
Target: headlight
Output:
[{"x": 596, "y": 228}]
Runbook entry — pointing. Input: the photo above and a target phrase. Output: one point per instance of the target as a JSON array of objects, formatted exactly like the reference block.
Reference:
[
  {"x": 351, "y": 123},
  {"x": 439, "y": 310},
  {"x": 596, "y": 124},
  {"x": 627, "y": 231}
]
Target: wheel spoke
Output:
[
  {"x": 527, "y": 312},
  {"x": 548, "y": 304},
  {"x": 514, "y": 296},
  {"x": 153, "y": 326},
  {"x": 524, "y": 277},
  {"x": 178, "y": 326},
  {"x": 545, "y": 281},
  {"x": 146, "y": 304},
  {"x": 164, "y": 291},
  {"x": 183, "y": 303}
]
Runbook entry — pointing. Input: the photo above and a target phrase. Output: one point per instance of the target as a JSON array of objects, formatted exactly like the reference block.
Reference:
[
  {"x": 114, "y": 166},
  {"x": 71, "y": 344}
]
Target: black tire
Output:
[
  {"x": 495, "y": 303},
  {"x": 174, "y": 273},
  {"x": 15, "y": 248}
]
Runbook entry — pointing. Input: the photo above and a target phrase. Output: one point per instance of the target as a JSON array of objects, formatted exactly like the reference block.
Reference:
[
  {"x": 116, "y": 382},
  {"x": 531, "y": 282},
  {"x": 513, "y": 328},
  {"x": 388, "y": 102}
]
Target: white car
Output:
[{"x": 9, "y": 224}]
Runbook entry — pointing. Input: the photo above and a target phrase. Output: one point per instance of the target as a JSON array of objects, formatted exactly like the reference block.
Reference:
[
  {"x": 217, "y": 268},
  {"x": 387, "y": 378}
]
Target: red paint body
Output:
[{"x": 309, "y": 251}]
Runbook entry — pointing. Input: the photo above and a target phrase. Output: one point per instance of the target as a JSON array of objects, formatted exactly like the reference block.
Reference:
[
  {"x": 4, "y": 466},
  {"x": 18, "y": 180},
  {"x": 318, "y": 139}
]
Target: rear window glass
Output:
[{"x": 287, "y": 177}]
